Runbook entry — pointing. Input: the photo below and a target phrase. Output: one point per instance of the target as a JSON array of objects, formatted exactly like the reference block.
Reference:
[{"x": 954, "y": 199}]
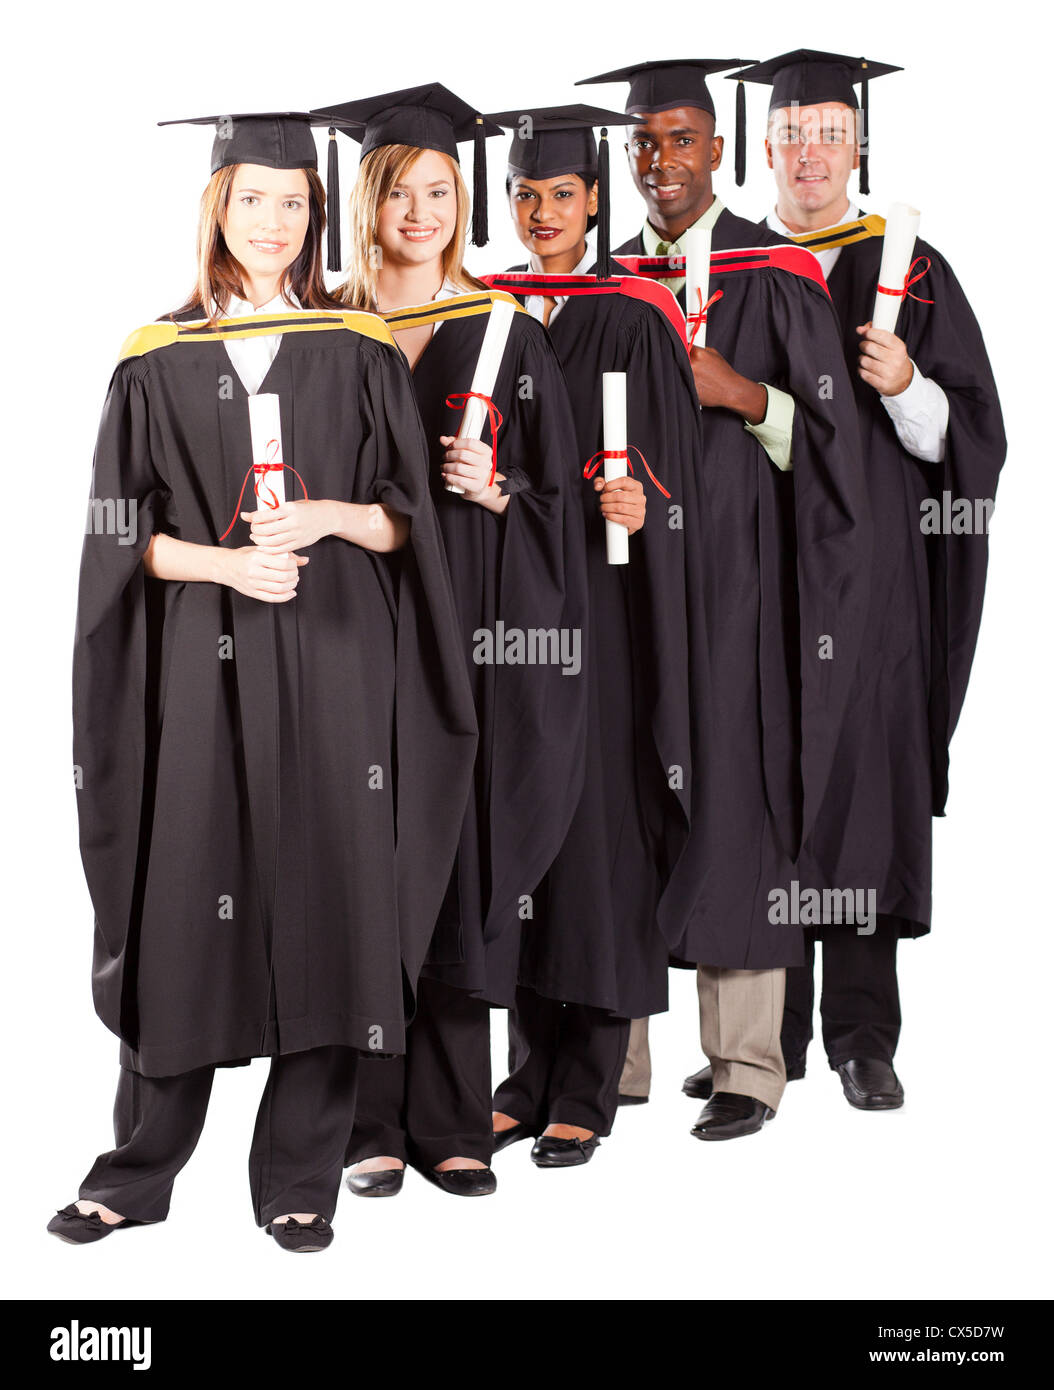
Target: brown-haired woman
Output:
[
  {"x": 247, "y": 775},
  {"x": 514, "y": 541}
]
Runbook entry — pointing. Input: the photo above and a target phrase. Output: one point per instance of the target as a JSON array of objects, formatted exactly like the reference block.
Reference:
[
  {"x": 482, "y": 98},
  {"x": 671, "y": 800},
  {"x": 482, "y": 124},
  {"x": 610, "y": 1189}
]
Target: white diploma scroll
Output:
[
  {"x": 898, "y": 248},
  {"x": 615, "y": 442},
  {"x": 265, "y": 430},
  {"x": 499, "y": 322},
  {"x": 696, "y": 243}
]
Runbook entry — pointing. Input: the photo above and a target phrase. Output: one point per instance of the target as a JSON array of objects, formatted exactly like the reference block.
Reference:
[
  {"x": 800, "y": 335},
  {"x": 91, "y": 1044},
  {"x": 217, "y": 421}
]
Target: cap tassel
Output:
[
  {"x": 333, "y": 204},
  {"x": 603, "y": 209},
  {"x": 480, "y": 233},
  {"x": 741, "y": 134},
  {"x": 865, "y": 184}
]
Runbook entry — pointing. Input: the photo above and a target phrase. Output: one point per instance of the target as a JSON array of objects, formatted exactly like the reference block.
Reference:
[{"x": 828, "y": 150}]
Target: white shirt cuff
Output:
[
  {"x": 775, "y": 432},
  {"x": 920, "y": 417}
]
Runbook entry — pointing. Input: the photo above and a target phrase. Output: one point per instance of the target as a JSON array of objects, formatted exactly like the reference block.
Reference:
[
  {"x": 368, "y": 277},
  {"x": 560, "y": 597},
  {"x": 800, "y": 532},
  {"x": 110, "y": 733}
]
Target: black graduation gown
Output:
[
  {"x": 890, "y": 773},
  {"x": 525, "y": 569},
  {"x": 594, "y": 939},
  {"x": 786, "y": 585},
  {"x": 270, "y": 792}
]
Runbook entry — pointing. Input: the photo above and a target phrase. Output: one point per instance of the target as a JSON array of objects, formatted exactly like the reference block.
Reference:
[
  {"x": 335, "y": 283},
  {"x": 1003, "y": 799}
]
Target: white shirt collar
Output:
[
  {"x": 446, "y": 290},
  {"x": 535, "y": 303},
  {"x": 252, "y": 357},
  {"x": 239, "y": 308},
  {"x": 583, "y": 265},
  {"x": 652, "y": 239},
  {"x": 773, "y": 219}
]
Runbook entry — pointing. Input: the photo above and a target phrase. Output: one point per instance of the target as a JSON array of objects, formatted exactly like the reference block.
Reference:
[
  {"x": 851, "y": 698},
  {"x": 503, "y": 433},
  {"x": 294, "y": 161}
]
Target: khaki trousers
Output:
[{"x": 740, "y": 1014}]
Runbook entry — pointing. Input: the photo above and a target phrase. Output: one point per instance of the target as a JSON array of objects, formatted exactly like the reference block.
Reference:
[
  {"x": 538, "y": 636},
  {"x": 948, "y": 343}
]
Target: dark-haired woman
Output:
[
  {"x": 253, "y": 770},
  {"x": 595, "y": 957}
]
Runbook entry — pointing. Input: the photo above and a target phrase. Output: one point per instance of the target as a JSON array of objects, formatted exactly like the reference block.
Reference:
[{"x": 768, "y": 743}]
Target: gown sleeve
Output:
[
  {"x": 667, "y": 586},
  {"x": 435, "y": 722},
  {"x": 945, "y": 341},
  {"x": 114, "y": 675},
  {"x": 542, "y": 586},
  {"x": 815, "y": 538}
]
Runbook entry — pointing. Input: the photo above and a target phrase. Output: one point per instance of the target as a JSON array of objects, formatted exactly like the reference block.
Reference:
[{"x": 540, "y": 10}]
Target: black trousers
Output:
[
  {"x": 859, "y": 1000},
  {"x": 565, "y": 1061},
  {"x": 302, "y": 1126},
  {"x": 433, "y": 1103}
]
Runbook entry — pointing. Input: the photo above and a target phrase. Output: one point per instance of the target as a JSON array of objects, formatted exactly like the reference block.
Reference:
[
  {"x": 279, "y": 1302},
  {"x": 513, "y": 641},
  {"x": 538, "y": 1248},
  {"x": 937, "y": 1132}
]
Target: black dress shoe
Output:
[
  {"x": 388, "y": 1182},
  {"x": 632, "y": 1100},
  {"x": 463, "y": 1182},
  {"x": 550, "y": 1152},
  {"x": 300, "y": 1238},
  {"x": 870, "y": 1084},
  {"x": 75, "y": 1228},
  {"x": 504, "y": 1137},
  {"x": 700, "y": 1085},
  {"x": 727, "y": 1115}
]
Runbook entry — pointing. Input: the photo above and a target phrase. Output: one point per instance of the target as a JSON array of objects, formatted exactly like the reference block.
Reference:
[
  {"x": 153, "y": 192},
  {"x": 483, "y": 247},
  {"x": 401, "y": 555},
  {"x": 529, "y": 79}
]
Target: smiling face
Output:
[
  {"x": 417, "y": 221},
  {"x": 812, "y": 150},
  {"x": 672, "y": 156},
  {"x": 551, "y": 215},
  {"x": 266, "y": 219}
]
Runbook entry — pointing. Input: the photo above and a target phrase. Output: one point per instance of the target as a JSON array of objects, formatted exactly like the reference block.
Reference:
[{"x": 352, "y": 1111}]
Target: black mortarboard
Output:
[
  {"x": 277, "y": 140},
  {"x": 552, "y": 140},
  {"x": 807, "y": 77},
  {"x": 673, "y": 82},
  {"x": 428, "y": 118}
]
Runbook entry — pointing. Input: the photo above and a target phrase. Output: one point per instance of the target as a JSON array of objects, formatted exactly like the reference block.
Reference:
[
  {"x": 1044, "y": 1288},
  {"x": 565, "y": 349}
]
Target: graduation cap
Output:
[
  {"x": 276, "y": 140},
  {"x": 807, "y": 77},
  {"x": 674, "y": 82},
  {"x": 552, "y": 140},
  {"x": 428, "y": 118}
]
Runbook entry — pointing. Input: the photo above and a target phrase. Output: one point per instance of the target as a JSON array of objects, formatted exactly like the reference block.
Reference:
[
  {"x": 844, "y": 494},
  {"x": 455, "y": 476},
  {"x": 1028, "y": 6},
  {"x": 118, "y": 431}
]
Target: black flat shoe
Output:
[
  {"x": 386, "y": 1183},
  {"x": 632, "y": 1100},
  {"x": 727, "y": 1115},
  {"x": 550, "y": 1152},
  {"x": 463, "y": 1182},
  {"x": 870, "y": 1084},
  {"x": 504, "y": 1137},
  {"x": 75, "y": 1228},
  {"x": 301, "y": 1238},
  {"x": 700, "y": 1085}
]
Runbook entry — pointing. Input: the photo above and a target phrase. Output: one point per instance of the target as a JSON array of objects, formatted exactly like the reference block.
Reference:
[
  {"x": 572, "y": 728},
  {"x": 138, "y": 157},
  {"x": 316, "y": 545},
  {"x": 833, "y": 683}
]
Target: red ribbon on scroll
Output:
[
  {"x": 698, "y": 318},
  {"x": 910, "y": 280},
  {"x": 460, "y": 400},
  {"x": 260, "y": 469},
  {"x": 592, "y": 464}
]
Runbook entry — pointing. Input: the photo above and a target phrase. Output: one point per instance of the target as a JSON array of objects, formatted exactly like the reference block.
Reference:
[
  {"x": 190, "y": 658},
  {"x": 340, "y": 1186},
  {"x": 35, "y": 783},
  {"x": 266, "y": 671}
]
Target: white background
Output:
[{"x": 945, "y": 1198}]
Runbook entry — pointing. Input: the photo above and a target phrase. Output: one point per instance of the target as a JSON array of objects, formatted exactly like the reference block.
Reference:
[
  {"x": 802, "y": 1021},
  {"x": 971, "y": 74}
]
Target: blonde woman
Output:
[{"x": 514, "y": 541}]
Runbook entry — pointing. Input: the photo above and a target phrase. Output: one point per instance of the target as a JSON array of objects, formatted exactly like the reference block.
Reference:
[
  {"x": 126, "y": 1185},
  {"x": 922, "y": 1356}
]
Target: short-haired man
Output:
[{"x": 931, "y": 429}]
